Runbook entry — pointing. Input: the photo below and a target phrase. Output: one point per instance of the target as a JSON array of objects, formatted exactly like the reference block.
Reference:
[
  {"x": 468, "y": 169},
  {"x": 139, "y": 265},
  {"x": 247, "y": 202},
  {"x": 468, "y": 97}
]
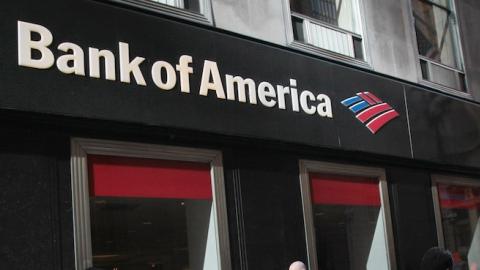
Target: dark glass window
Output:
[
  {"x": 460, "y": 210},
  {"x": 358, "y": 48},
  {"x": 297, "y": 24},
  {"x": 424, "y": 68},
  {"x": 150, "y": 214},
  {"x": 349, "y": 226},
  {"x": 192, "y": 5}
]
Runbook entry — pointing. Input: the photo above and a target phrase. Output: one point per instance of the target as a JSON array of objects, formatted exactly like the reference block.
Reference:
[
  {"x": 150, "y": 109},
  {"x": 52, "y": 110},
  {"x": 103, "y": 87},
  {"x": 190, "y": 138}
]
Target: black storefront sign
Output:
[{"x": 158, "y": 100}]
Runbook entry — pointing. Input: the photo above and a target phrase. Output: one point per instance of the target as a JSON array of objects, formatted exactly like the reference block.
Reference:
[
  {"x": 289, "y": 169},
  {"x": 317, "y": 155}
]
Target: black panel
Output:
[
  {"x": 29, "y": 201},
  {"x": 268, "y": 198},
  {"x": 91, "y": 23},
  {"x": 444, "y": 129},
  {"x": 412, "y": 214}
]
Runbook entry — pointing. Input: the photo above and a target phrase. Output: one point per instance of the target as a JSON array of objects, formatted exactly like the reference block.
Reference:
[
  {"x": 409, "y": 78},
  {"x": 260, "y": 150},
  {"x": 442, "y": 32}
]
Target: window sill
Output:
[
  {"x": 446, "y": 89},
  {"x": 329, "y": 54}
]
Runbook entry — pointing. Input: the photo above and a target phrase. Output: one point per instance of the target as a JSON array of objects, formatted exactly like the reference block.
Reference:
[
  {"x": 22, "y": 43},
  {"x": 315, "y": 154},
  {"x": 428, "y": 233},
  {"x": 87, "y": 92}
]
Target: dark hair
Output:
[{"x": 437, "y": 259}]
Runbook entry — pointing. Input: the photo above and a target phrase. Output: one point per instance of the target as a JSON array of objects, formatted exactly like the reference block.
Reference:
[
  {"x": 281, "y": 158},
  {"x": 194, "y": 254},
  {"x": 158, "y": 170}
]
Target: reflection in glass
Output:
[
  {"x": 460, "y": 209},
  {"x": 349, "y": 226},
  {"x": 435, "y": 30}
]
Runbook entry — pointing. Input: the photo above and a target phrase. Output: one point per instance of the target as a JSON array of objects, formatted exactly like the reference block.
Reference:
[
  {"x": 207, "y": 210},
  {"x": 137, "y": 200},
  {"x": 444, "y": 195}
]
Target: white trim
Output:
[
  {"x": 80, "y": 148},
  {"x": 306, "y": 167},
  {"x": 446, "y": 179}
]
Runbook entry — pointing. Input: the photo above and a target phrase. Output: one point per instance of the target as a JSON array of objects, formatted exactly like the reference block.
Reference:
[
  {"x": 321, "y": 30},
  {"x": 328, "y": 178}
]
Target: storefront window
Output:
[
  {"x": 160, "y": 211},
  {"x": 460, "y": 213},
  {"x": 150, "y": 214},
  {"x": 333, "y": 25},
  {"x": 349, "y": 224}
]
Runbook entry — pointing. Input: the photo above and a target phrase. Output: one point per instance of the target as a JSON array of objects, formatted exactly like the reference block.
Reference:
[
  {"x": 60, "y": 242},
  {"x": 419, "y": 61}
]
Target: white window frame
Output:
[
  {"x": 321, "y": 51},
  {"x": 204, "y": 17},
  {"x": 451, "y": 180},
  {"x": 80, "y": 148},
  {"x": 461, "y": 70},
  {"x": 307, "y": 167}
]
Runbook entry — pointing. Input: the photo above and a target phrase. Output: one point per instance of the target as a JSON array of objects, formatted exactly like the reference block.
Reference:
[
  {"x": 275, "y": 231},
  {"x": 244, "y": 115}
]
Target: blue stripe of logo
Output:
[
  {"x": 359, "y": 106},
  {"x": 349, "y": 101}
]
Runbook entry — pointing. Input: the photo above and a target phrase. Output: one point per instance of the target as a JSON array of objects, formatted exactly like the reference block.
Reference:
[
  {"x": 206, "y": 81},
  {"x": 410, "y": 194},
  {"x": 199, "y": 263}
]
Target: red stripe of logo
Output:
[
  {"x": 367, "y": 98},
  {"x": 379, "y": 121},
  {"x": 372, "y": 96},
  {"x": 372, "y": 111}
]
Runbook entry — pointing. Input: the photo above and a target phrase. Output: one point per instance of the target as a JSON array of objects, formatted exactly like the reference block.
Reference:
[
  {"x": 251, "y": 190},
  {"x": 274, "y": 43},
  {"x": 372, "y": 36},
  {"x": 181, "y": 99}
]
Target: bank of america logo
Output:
[{"x": 370, "y": 110}]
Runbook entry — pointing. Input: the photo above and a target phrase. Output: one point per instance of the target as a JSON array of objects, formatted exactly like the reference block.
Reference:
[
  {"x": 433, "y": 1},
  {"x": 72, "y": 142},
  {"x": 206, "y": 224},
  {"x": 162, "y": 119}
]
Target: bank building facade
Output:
[{"x": 239, "y": 134}]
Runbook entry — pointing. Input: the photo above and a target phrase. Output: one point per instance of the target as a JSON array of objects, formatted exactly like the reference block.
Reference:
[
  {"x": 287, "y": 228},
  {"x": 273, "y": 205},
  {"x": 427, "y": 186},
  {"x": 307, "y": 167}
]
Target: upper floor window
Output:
[
  {"x": 192, "y": 5},
  {"x": 333, "y": 25},
  {"x": 438, "y": 42},
  {"x": 193, "y": 10}
]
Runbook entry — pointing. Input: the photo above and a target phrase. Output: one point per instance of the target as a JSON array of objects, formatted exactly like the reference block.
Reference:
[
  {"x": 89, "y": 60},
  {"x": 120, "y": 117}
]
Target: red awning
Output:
[
  {"x": 148, "y": 178},
  {"x": 344, "y": 190}
]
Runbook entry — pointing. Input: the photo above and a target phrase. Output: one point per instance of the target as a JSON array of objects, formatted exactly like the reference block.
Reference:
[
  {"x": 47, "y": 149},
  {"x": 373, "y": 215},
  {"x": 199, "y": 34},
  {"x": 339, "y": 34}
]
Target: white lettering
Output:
[
  {"x": 281, "y": 92},
  {"x": 185, "y": 70},
  {"x": 210, "y": 70},
  {"x": 127, "y": 66},
  {"x": 305, "y": 97},
  {"x": 241, "y": 83},
  {"x": 170, "y": 74},
  {"x": 324, "y": 108},
  {"x": 294, "y": 95},
  {"x": 26, "y": 45},
  {"x": 76, "y": 58},
  {"x": 265, "y": 90},
  {"x": 34, "y": 51},
  {"x": 94, "y": 63}
]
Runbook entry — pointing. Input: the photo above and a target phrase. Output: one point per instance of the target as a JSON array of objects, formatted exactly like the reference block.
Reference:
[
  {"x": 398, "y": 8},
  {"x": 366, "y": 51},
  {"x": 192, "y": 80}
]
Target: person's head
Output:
[
  {"x": 298, "y": 265},
  {"x": 437, "y": 259}
]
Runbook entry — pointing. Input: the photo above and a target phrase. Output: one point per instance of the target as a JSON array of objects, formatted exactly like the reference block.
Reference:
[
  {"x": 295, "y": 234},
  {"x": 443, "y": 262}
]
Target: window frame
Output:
[
  {"x": 303, "y": 46},
  {"x": 204, "y": 17},
  {"x": 432, "y": 84},
  {"x": 446, "y": 179},
  {"x": 81, "y": 147},
  {"x": 308, "y": 166}
]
